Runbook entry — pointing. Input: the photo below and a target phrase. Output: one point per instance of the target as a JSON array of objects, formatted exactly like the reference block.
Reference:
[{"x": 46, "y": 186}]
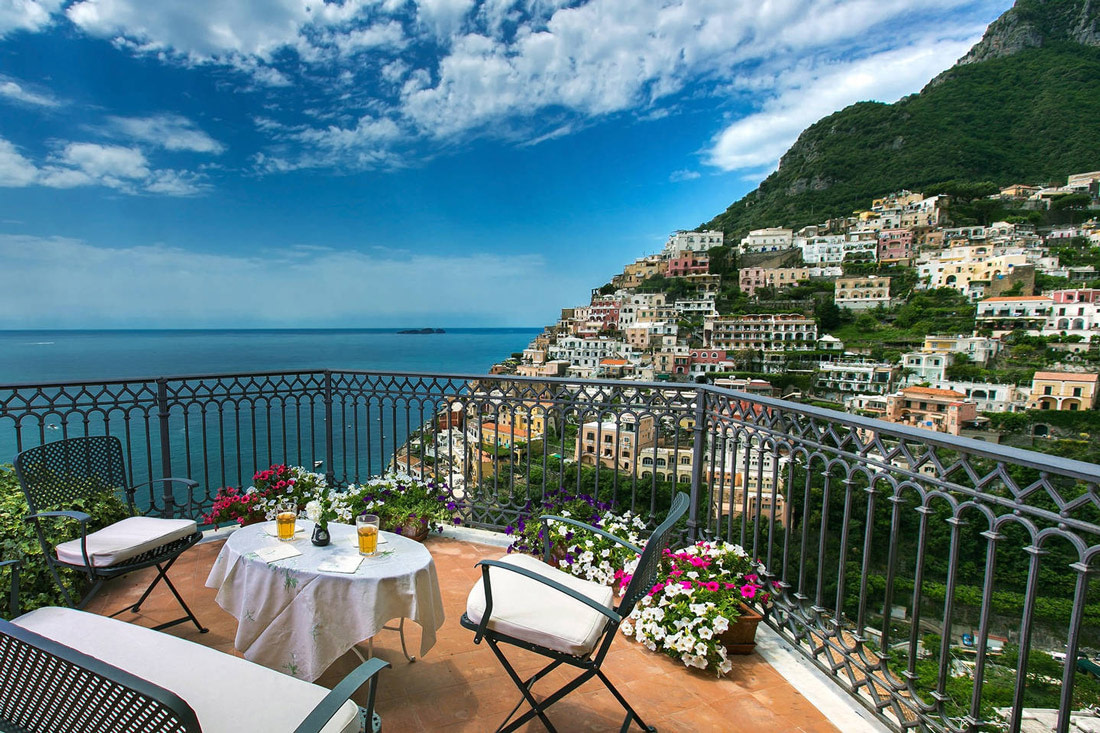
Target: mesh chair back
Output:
[
  {"x": 55, "y": 473},
  {"x": 46, "y": 687},
  {"x": 646, "y": 572}
]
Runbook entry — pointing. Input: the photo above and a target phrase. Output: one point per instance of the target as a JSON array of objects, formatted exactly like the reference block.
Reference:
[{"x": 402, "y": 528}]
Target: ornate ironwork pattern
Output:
[
  {"x": 878, "y": 538},
  {"x": 48, "y": 687}
]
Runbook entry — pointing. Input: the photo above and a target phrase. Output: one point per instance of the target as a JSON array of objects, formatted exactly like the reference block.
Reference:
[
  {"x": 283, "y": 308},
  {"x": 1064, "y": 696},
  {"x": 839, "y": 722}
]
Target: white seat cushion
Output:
[
  {"x": 227, "y": 693},
  {"x": 122, "y": 540},
  {"x": 536, "y": 613}
]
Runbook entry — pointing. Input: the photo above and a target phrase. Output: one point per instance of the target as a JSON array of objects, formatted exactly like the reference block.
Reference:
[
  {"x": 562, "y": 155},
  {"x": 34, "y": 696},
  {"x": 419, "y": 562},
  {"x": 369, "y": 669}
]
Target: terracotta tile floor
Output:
[{"x": 460, "y": 686}]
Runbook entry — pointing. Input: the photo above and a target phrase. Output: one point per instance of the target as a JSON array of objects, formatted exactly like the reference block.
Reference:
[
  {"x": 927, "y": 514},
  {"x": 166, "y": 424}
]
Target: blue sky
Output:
[{"x": 287, "y": 163}]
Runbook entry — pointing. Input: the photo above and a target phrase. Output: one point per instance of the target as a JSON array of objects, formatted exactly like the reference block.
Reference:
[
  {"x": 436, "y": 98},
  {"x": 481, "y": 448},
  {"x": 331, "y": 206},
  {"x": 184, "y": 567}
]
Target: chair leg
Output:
[
  {"x": 525, "y": 688},
  {"x": 190, "y": 616},
  {"x": 162, "y": 574}
]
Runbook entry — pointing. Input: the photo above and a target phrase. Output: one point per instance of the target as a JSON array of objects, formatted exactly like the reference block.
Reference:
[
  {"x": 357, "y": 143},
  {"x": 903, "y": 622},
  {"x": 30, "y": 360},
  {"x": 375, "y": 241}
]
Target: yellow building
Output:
[{"x": 1063, "y": 391}]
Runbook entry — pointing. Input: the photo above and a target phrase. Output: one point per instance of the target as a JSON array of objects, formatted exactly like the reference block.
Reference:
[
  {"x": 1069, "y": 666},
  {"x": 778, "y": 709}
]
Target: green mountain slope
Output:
[{"x": 1022, "y": 106}]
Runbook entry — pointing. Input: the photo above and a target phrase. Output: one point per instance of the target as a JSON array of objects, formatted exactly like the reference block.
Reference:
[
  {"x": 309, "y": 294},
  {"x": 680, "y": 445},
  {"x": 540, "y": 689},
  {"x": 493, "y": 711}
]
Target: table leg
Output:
[{"x": 400, "y": 628}]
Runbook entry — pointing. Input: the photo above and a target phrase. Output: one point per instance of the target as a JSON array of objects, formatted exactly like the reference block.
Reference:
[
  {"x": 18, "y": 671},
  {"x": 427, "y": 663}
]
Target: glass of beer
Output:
[
  {"x": 285, "y": 515},
  {"x": 366, "y": 527}
]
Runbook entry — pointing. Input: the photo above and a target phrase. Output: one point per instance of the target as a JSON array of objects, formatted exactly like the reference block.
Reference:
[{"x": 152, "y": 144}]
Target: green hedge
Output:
[{"x": 21, "y": 543}]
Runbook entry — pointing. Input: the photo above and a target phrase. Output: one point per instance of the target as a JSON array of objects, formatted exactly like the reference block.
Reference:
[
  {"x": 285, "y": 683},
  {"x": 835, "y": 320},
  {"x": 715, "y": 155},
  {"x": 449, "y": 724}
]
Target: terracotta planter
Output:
[
  {"x": 740, "y": 637},
  {"x": 415, "y": 529}
]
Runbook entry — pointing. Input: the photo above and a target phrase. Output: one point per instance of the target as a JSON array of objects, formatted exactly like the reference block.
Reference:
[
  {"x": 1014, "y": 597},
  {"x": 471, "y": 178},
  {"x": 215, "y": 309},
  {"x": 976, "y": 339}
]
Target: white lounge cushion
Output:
[
  {"x": 526, "y": 609},
  {"x": 125, "y": 539},
  {"x": 227, "y": 693}
]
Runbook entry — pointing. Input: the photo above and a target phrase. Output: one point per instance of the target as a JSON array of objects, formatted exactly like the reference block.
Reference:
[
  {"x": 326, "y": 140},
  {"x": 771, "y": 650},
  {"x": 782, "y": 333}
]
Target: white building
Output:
[
  {"x": 693, "y": 242},
  {"x": 773, "y": 239},
  {"x": 1012, "y": 312},
  {"x": 585, "y": 354},
  {"x": 854, "y": 376},
  {"x": 1074, "y": 319},
  {"x": 834, "y": 249},
  {"x": 636, "y": 303},
  {"x": 925, "y": 366},
  {"x": 989, "y": 397},
  {"x": 979, "y": 349}
]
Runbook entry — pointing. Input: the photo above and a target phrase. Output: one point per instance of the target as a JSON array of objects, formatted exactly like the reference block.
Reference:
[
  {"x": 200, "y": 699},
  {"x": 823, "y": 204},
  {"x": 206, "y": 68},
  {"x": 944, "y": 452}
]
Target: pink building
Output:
[
  {"x": 605, "y": 311},
  {"x": 691, "y": 263},
  {"x": 1076, "y": 296},
  {"x": 751, "y": 278},
  {"x": 895, "y": 245},
  {"x": 942, "y": 410},
  {"x": 707, "y": 356}
]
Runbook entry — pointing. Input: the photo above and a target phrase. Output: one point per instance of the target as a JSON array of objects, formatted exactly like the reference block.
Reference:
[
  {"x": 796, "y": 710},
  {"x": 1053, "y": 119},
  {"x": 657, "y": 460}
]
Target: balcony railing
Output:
[{"x": 902, "y": 559}]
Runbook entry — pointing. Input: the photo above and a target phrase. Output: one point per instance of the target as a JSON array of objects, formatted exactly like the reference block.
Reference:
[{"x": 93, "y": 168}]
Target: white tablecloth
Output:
[{"x": 299, "y": 620}]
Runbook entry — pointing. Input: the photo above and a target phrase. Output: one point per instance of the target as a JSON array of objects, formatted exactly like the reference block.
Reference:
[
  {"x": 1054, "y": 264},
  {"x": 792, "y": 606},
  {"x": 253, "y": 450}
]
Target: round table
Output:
[{"x": 298, "y": 619}]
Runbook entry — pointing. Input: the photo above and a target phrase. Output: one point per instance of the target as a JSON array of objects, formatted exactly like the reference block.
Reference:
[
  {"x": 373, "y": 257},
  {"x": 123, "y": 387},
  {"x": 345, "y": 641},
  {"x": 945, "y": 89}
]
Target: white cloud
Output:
[
  {"x": 683, "y": 175},
  {"x": 169, "y": 131},
  {"x": 16, "y": 92},
  {"x": 446, "y": 70},
  {"x": 65, "y": 282},
  {"x": 814, "y": 90},
  {"x": 15, "y": 170},
  {"x": 91, "y": 164},
  {"x": 26, "y": 15}
]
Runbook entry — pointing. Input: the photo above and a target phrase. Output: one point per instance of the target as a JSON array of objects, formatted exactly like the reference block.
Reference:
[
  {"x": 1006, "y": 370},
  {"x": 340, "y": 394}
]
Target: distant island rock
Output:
[{"x": 422, "y": 330}]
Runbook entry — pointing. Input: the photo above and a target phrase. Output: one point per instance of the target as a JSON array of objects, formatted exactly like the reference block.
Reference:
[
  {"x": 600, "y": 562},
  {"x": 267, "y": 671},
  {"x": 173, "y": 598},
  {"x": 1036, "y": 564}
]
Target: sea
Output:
[
  {"x": 43, "y": 357},
  {"x": 53, "y": 357}
]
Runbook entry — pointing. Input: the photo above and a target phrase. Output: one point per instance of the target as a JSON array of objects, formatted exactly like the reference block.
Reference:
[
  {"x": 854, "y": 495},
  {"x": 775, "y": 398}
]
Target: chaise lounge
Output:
[{"x": 63, "y": 670}]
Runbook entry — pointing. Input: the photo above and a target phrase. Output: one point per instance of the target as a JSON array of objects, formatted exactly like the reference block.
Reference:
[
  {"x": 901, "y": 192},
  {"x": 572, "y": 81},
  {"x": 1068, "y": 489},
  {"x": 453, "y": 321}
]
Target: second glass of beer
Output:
[
  {"x": 366, "y": 527},
  {"x": 284, "y": 521}
]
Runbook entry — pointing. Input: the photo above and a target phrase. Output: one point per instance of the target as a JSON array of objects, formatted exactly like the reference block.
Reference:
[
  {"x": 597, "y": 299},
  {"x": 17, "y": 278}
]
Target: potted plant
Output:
[
  {"x": 270, "y": 486},
  {"x": 699, "y": 598},
  {"x": 404, "y": 505},
  {"x": 577, "y": 551}
]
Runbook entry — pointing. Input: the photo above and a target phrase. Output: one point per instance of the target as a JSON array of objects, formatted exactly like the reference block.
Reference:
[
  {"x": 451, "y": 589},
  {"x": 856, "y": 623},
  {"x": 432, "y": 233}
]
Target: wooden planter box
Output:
[{"x": 740, "y": 637}]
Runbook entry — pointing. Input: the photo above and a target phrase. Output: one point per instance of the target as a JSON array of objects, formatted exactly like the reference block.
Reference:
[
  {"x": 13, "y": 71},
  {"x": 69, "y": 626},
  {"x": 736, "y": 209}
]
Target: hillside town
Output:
[{"x": 819, "y": 314}]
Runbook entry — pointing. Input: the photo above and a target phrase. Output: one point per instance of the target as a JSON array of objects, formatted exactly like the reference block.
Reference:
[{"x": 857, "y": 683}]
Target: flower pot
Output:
[
  {"x": 415, "y": 529},
  {"x": 740, "y": 637}
]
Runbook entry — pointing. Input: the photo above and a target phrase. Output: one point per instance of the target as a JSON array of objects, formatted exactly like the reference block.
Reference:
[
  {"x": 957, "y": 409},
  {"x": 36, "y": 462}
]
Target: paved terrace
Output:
[{"x": 461, "y": 687}]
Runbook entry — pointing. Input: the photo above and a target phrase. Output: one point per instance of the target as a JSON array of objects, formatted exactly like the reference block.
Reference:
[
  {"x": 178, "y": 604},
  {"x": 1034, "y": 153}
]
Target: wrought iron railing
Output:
[{"x": 929, "y": 575}]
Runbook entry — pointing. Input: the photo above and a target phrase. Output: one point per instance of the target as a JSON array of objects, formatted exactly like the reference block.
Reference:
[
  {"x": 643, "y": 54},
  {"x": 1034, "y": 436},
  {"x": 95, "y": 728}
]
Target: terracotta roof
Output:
[
  {"x": 1015, "y": 297},
  {"x": 932, "y": 392},
  {"x": 507, "y": 430},
  {"x": 1066, "y": 376},
  {"x": 613, "y": 362}
]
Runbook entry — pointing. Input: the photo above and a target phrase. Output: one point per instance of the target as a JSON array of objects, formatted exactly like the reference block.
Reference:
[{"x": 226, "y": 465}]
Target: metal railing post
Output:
[
  {"x": 698, "y": 451},
  {"x": 330, "y": 468},
  {"x": 165, "y": 446}
]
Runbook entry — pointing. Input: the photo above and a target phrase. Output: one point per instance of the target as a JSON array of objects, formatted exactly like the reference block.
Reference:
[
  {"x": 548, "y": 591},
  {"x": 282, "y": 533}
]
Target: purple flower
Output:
[
  {"x": 452, "y": 505},
  {"x": 569, "y": 558},
  {"x": 509, "y": 529},
  {"x": 457, "y": 521}
]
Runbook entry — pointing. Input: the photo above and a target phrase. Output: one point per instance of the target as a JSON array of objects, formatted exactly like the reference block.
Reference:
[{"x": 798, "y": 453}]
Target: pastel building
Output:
[
  {"x": 615, "y": 445},
  {"x": 1069, "y": 391},
  {"x": 862, "y": 293},
  {"x": 761, "y": 331},
  {"x": 942, "y": 410},
  {"x": 979, "y": 349},
  {"x": 688, "y": 263},
  {"x": 895, "y": 246},
  {"x": 751, "y": 278}
]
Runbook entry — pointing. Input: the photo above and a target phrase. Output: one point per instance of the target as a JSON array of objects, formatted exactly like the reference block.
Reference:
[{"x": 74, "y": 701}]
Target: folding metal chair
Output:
[
  {"x": 60, "y": 472},
  {"x": 530, "y": 604}
]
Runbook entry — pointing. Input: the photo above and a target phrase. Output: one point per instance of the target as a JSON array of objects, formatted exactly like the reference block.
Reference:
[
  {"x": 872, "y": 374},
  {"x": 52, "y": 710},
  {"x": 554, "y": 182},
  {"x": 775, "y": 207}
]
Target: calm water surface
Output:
[{"x": 56, "y": 356}]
